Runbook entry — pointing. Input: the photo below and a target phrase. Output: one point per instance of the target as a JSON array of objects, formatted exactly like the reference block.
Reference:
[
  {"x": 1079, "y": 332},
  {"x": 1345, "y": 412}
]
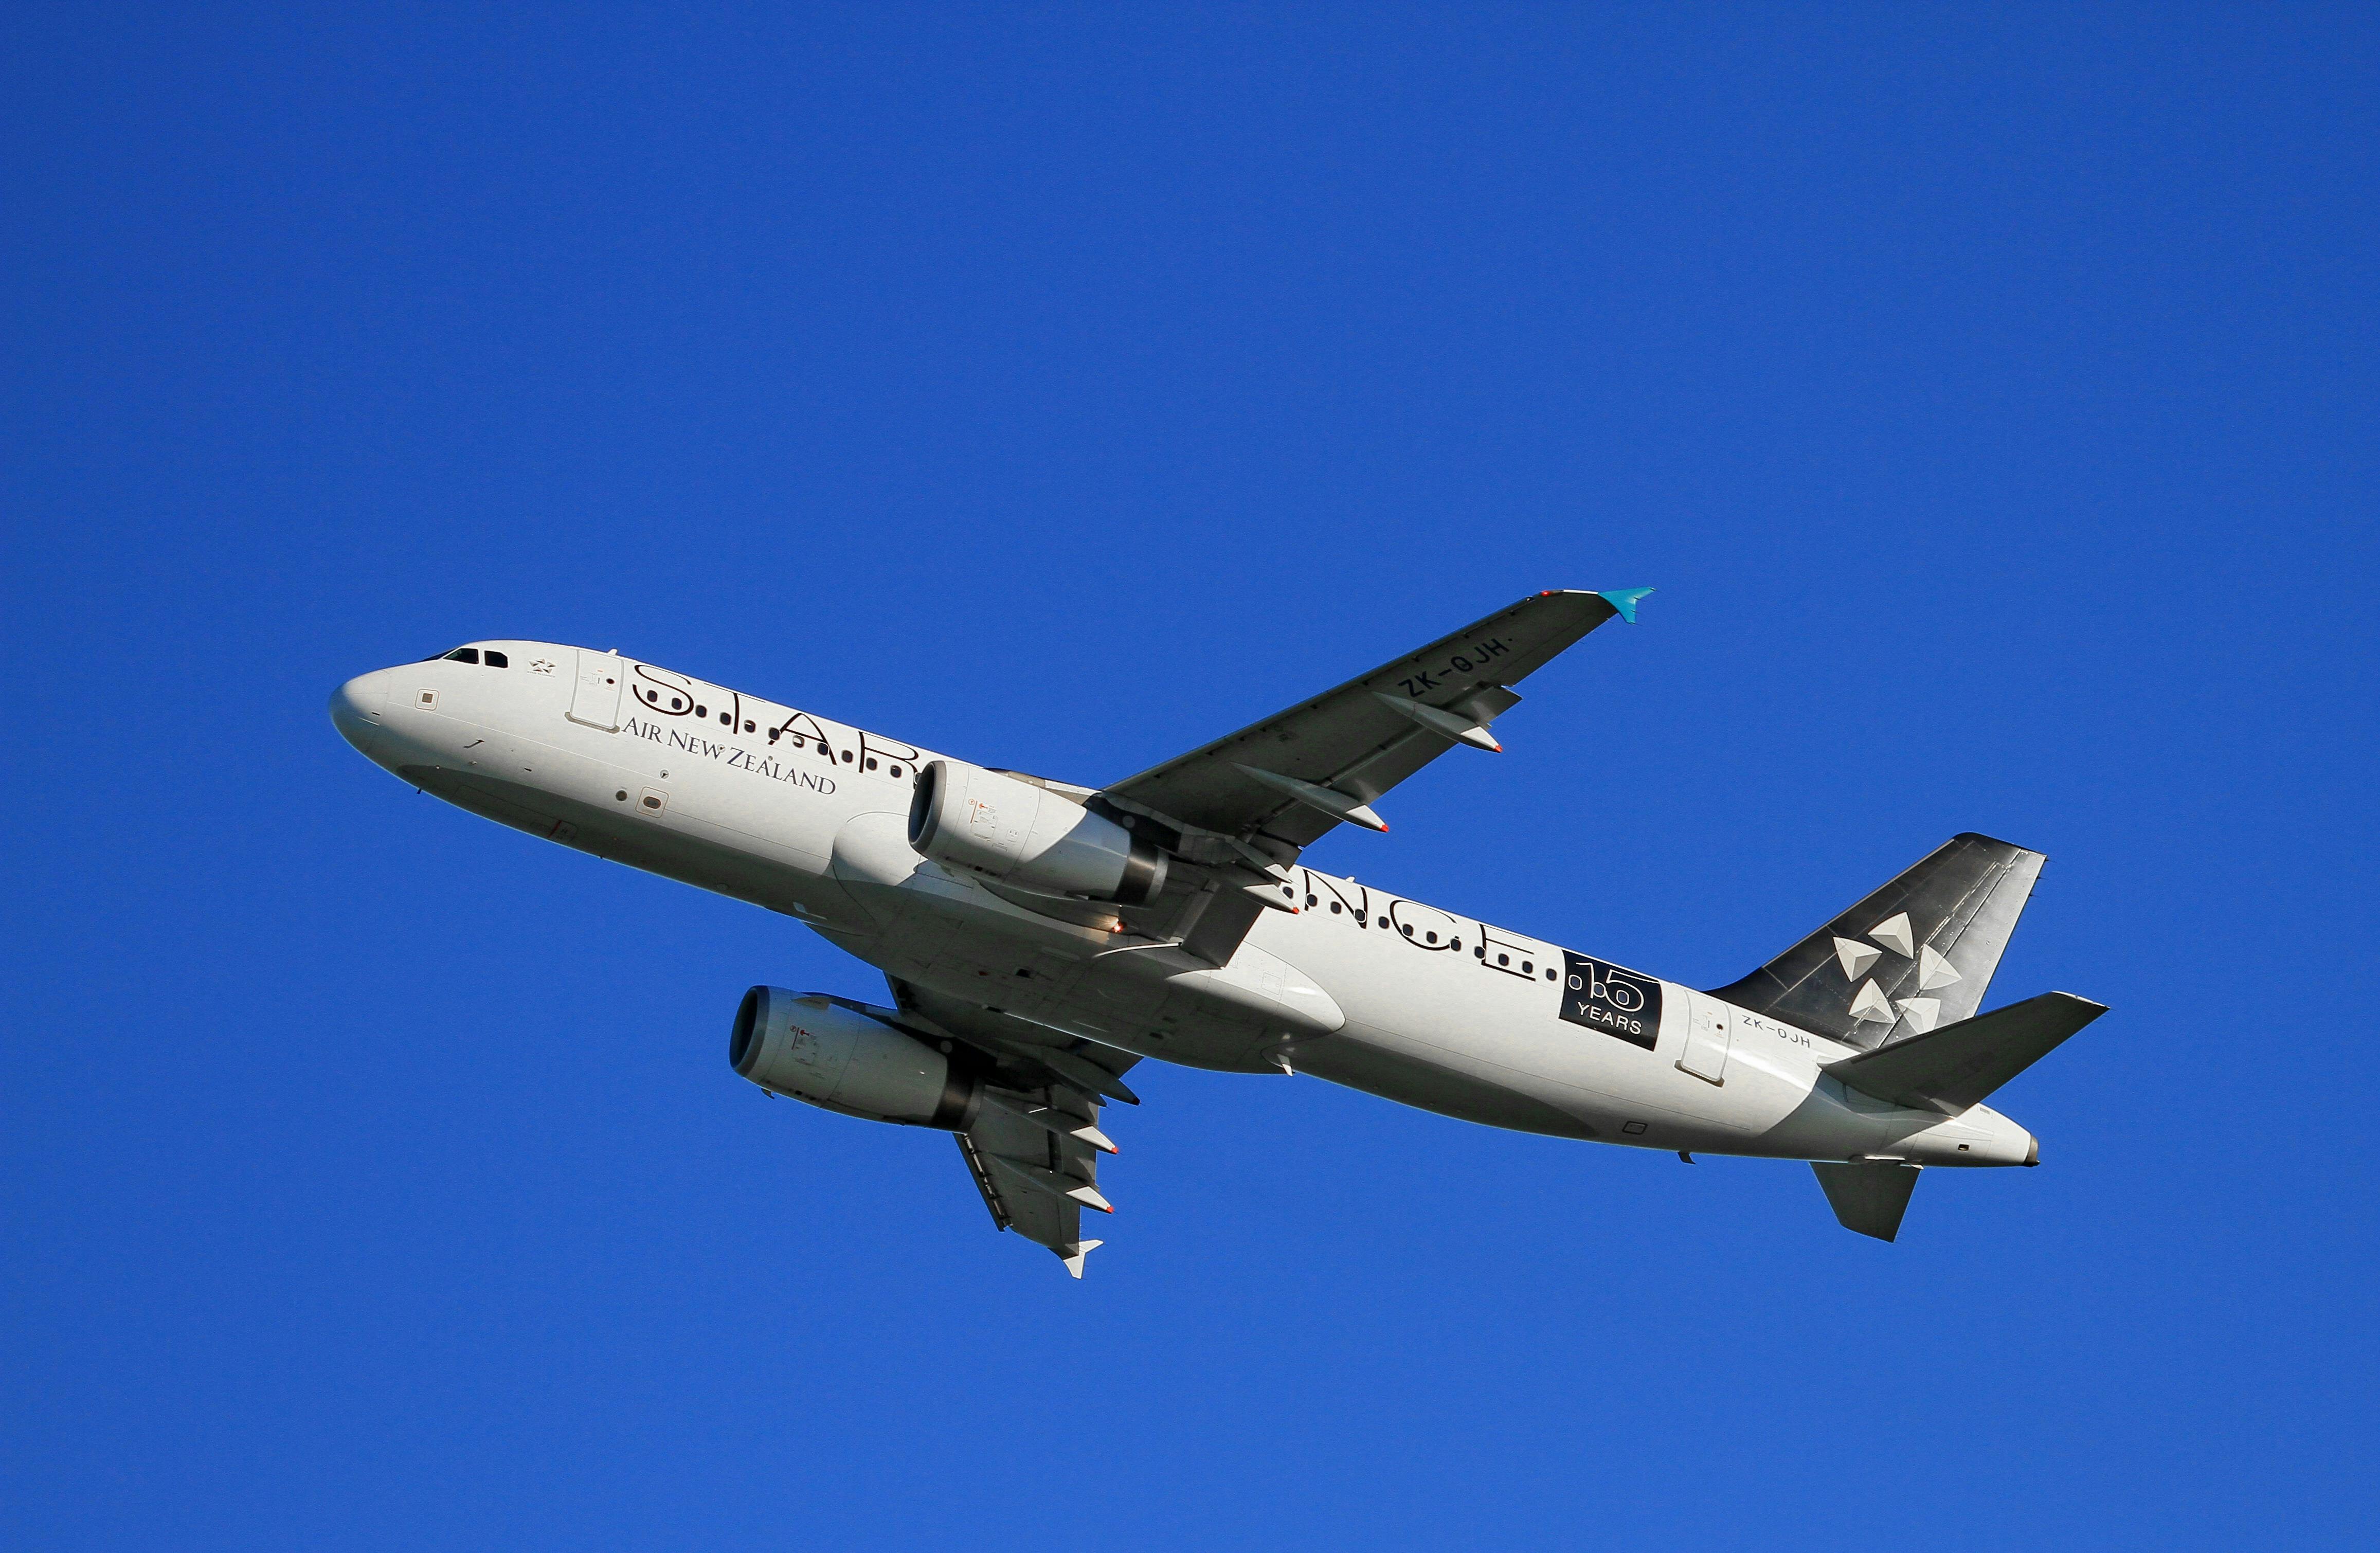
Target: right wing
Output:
[{"x": 1034, "y": 1144}]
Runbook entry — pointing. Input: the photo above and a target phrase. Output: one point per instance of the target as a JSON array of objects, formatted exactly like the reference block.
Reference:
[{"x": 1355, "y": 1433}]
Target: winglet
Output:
[
  {"x": 1624, "y": 600},
  {"x": 1072, "y": 1256}
]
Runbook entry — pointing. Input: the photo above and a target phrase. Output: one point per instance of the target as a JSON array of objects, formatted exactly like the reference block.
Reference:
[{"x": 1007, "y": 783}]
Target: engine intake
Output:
[
  {"x": 834, "y": 1056},
  {"x": 1028, "y": 836}
]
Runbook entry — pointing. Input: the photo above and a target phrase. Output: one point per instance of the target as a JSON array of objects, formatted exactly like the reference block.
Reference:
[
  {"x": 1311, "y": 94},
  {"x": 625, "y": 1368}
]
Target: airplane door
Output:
[
  {"x": 1709, "y": 1031},
  {"x": 595, "y": 700}
]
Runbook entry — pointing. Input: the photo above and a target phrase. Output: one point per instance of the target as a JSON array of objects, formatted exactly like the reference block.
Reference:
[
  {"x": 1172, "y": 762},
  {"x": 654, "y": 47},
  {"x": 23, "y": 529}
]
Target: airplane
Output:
[{"x": 1039, "y": 937}]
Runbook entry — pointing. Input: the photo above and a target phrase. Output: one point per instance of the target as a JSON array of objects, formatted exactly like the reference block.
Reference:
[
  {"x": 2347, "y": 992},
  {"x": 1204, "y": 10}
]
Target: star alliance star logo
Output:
[
  {"x": 541, "y": 666},
  {"x": 1869, "y": 1003}
]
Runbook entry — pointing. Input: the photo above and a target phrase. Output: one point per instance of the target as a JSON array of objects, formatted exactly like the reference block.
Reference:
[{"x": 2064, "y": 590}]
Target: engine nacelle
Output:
[
  {"x": 818, "y": 1051},
  {"x": 1028, "y": 836}
]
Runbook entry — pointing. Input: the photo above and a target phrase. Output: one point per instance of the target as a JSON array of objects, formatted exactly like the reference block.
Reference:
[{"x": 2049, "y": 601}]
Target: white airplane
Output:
[{"x": 1041, "y": 938}]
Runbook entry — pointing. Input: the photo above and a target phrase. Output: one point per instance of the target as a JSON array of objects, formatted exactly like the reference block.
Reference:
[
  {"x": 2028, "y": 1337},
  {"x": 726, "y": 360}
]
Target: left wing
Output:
[
  {"x": 1293, "y": 776},
  {"x": 1245, "y": 806}
]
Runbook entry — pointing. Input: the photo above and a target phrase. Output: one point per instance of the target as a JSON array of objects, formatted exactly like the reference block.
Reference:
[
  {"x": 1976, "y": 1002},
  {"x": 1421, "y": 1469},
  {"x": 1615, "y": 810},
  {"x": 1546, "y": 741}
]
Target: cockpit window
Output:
[
  {"x": 464, "y": 655},
  {"x": 497, "y": 661}
]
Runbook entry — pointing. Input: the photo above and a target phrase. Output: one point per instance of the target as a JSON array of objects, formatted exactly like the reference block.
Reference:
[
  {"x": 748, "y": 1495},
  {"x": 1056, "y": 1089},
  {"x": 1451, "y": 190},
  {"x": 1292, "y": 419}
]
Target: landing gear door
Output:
[
  {"x": 595, "y": 700},
  {"x": 1709, "y": 1031}
]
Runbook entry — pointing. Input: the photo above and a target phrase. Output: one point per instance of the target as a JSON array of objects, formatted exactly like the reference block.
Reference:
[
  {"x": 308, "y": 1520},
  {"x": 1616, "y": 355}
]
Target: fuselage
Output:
[{"x": 792, "y": 811}]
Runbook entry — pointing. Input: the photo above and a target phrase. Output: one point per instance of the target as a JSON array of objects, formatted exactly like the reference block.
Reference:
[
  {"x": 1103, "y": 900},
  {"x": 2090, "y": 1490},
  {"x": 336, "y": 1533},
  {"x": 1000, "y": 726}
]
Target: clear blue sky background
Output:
[{"x": 1990, "y": 395}]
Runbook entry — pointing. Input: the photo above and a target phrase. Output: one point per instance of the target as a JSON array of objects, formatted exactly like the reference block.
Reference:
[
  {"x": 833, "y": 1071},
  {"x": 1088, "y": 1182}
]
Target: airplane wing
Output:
[
  {"x": 1034, "y": 1144},
  {"x": 1035, "y": 1182},
  {"x": 1251, "y": 802},
  {"x": 1293, "y": 776}
]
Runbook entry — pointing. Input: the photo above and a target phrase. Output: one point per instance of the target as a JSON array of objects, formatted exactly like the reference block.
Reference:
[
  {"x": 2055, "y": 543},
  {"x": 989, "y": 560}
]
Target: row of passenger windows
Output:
[{"x": 490, "y": 658}]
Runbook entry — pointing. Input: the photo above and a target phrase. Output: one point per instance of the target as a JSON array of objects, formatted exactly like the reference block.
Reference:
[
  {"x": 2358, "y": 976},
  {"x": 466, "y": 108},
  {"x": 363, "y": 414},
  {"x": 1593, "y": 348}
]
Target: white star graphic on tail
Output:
[
  {"x": 1933, "y": 971},
  {"x": 1871, "y": 1004}
]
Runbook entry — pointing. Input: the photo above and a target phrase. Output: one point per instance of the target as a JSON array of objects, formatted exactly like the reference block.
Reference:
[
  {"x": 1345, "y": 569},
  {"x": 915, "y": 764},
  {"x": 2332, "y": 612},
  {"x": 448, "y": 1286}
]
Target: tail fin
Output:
[{"x": 1916, "y": 953}]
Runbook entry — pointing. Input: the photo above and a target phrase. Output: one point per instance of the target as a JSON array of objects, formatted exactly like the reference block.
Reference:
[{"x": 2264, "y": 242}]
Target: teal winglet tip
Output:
[{"x": 1624, "y": 600}]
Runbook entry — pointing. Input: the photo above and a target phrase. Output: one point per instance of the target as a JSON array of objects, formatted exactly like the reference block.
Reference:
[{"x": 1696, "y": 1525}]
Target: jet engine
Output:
[
  {"x": 834, "y": 1056},
  {"x": 1029, "y": 837}
]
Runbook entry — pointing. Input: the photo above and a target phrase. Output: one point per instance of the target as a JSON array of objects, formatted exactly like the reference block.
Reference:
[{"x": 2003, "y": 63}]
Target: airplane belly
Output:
[
  {"x": 1442, "y": 1033},
  {"x": 1378, "y": 1062},
  {"x": 938, "y": 927}
]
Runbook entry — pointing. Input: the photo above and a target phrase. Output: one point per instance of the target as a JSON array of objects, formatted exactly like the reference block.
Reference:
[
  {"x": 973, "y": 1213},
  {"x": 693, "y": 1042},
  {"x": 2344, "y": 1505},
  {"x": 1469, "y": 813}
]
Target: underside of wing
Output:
[
  {"x": 1034, "y": 1144},
  {"x": 1358, "y": 741},
  {"x": 1240, "y": 810}
]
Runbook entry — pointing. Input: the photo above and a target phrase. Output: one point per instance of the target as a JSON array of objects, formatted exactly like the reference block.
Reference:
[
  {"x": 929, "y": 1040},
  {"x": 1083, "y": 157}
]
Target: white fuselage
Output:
[{"x": 808, "y": 816}]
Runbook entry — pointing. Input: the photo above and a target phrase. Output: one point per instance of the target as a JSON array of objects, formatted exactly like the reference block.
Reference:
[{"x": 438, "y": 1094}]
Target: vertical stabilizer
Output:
[{"x": 1915, "y": 954}]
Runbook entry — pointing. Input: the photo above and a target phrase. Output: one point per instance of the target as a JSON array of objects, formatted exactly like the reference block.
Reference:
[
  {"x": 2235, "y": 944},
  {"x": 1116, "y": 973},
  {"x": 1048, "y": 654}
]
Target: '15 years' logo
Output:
[{"x": 1615, "y": 1001}]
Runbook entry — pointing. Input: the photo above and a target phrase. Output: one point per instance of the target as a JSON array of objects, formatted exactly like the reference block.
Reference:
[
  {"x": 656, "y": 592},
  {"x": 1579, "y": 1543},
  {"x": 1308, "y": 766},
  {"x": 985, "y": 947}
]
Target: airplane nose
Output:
[{"x": 355, "y": 709}]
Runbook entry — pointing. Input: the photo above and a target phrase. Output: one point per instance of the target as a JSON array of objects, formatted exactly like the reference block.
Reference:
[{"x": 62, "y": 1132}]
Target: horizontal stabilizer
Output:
[
  {"x": 1954, "y": 1067},
  {"x": 1869, "y": 1196}
]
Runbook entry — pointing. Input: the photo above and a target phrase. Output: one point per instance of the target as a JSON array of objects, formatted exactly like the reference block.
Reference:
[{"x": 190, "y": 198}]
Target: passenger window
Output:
[
  {"x": 1334, "y": 908},
  {"x": 1550, "y": 974},
  {"x": 896, "y": 770},
  {"x": 847, "y": 758},
  {"x": 464, "y": 655},
  {"x": 497, "y": 661},
  {"x": 701, "y": 711},
  {"x": 871, "y": 762},
  {"x": 1501, "y": 959}
]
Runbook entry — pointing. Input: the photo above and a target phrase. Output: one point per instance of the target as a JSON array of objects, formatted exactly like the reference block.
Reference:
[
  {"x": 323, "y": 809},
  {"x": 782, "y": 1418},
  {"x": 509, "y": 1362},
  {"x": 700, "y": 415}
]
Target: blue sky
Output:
[{"x": 1990, "y": 394}]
